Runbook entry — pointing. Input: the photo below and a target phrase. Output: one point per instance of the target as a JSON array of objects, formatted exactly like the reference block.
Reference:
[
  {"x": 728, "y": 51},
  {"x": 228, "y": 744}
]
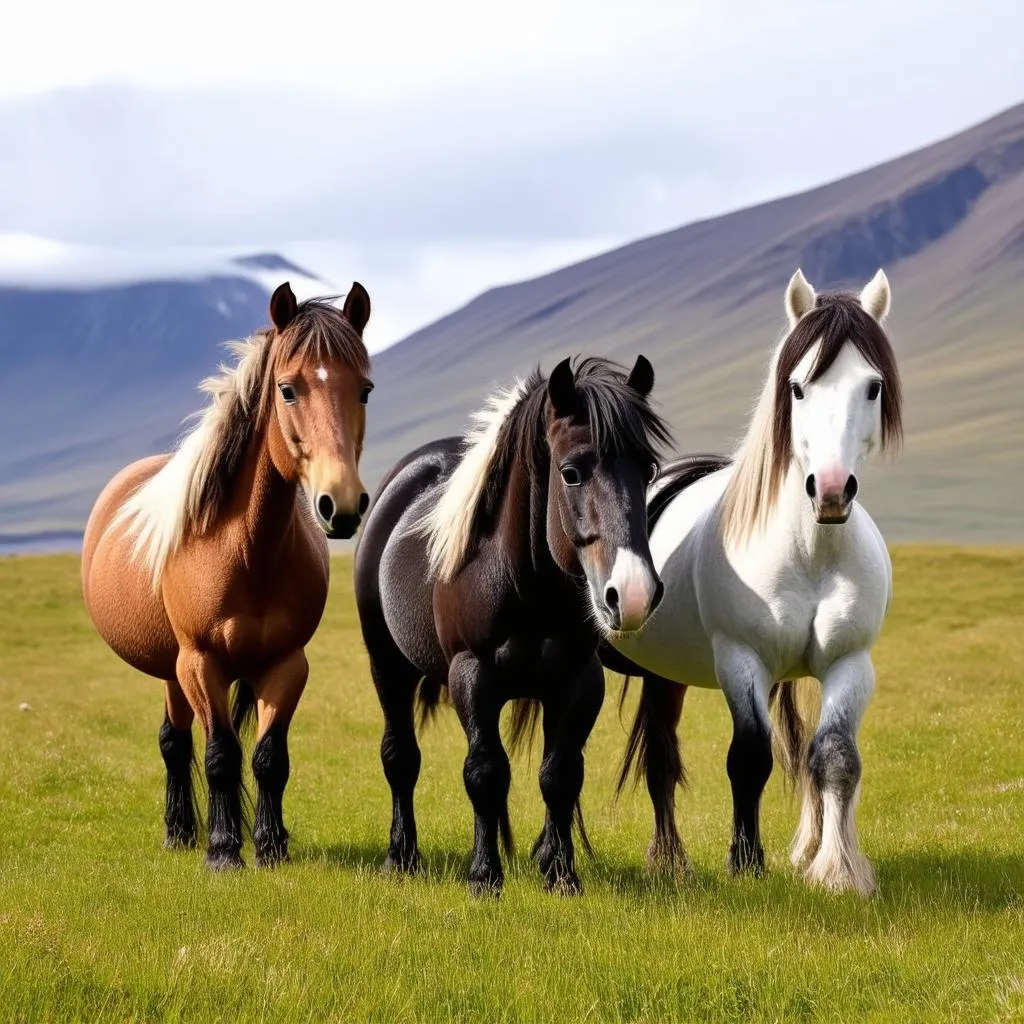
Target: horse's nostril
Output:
[
  {"x": 364, "y": 502},
  {"x": 325, "y": 506},
  {"x": 611, "y": 598},
  {"x": 809, "y": 486},
  {"x": 659, "y": 593},
  {"x": 850, "y": 490}
]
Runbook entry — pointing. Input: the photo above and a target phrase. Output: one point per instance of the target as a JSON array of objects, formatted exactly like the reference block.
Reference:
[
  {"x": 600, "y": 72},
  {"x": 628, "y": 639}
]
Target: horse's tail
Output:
[
  {"x": 523, "y": 724},
  {"x": 790, "y": 734},
  {"x": 428, "y": 697},
  {"x": 243, "y": 707},
  {"x": 652, "y": 750}
]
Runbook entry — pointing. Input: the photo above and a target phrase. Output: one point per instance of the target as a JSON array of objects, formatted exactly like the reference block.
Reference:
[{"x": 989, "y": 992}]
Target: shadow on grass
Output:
[{"x": 955, "y": 879}]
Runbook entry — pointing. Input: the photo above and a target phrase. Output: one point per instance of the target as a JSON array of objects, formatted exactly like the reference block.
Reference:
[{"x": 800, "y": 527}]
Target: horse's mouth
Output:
[{"x": 833, "y": 513}]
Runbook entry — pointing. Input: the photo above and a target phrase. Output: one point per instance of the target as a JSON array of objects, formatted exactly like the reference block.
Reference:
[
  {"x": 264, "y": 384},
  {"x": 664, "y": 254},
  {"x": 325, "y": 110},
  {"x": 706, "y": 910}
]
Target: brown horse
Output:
[{"x": 211, "y": 565}]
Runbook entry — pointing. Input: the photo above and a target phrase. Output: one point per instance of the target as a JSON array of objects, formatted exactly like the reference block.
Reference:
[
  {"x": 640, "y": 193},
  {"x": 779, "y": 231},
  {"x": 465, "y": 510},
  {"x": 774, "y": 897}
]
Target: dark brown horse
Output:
[
  {"x": 493, "y": 566},
  {"x": 210, "y": 565}
]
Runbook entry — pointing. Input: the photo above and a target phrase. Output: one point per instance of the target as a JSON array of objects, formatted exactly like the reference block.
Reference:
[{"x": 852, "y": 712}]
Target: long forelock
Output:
[{"x": 764, "y": 455}]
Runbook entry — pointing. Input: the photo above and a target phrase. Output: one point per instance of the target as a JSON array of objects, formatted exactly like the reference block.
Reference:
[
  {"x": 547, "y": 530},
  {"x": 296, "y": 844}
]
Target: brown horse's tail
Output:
[
  {"x": 652, "y": 750},
  {"x": 790, "y": 735},
  {"x": 428, "y": 697},
  {"x": 243, "y": 707}
]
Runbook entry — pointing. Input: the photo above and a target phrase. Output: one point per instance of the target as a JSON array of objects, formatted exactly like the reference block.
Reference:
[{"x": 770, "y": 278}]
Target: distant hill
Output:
[
  {"x": 704, "y": 303},
  {"x": 97, "y": 375}
]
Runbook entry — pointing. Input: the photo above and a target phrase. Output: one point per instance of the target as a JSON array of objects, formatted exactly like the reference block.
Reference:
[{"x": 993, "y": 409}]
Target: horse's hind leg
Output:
[
  {"x": 746, "y": 685},
  {"x": 835, "y": 770},
  {"x": 662, "y": 707},
  {"x": 396, "y": 679},
  {"x": 207, "y": 685},
  {"x": 177, "y": 751},
  {"x": 486, "y": 771},
  {"x": 278, "y": 693},
  {"x": 569, "y": 719}
]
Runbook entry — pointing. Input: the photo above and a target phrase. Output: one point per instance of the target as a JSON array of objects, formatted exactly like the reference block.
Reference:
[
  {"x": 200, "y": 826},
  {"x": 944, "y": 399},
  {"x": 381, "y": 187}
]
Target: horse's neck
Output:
[
  {"x": 525, "y": 537},
  {"x": 263, "y": 500},
  {"x": 793, "y": 531}
]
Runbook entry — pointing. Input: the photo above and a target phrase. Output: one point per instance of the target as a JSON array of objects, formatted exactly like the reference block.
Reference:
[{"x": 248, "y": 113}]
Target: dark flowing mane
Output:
[
  {"x": 765, "y": 454},
  {"x": 622, "y": 423},
  {"x": 191, "y": 489}
]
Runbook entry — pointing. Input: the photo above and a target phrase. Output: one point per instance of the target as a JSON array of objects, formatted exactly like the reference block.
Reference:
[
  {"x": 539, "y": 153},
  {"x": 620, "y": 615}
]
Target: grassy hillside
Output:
[
  {"x": 98, "y": 923},
  {"x": 704, "y": 303}
]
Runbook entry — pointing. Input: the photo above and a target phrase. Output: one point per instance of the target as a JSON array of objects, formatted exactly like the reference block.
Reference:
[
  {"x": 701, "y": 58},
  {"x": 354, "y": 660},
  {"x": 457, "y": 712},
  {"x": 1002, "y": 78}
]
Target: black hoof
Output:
[
  {"x": 399, "y": 864},
  {"x": 224, "y": 860},
  {"x": 743, "y": 860},
  {"x": 486, "y": 888},
  {"x": 272, "y": 857},
  {"x": 180, "y": 841},
  {"x": 565, "y": 885}
]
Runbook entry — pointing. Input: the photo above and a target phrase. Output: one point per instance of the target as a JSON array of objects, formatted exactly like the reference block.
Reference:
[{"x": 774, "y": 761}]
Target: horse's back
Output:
[
  {"x": 392, "y": 577},
  {"x": 118, "y": 592}
]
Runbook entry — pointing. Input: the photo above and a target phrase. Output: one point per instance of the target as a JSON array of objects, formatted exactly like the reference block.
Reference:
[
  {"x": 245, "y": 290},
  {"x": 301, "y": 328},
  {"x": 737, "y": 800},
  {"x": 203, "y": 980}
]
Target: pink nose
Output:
[{"x": 834, "y": 486}]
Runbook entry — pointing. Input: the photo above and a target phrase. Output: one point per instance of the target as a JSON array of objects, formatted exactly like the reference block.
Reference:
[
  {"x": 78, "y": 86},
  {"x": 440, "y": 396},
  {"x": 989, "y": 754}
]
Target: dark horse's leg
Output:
[
  {"x": 396, "y": 679},
  {"x": 207, "y": 686},
  {"x": 176, "y": 748},
  {"x": 278, "y": 692},
  {"x": 478, "y": 699},
  {"x": 749, "y": 764},
  {"x": 569, "y": 718}
]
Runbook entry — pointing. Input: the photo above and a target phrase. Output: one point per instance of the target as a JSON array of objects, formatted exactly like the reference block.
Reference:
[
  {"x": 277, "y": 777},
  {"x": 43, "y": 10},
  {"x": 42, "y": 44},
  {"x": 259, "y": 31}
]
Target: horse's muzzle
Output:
[{"x": 343, "y": 527}]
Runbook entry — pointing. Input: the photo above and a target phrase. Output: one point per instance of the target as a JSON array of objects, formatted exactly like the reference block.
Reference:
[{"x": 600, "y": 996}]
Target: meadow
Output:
[{"x": 99, "y": 923}]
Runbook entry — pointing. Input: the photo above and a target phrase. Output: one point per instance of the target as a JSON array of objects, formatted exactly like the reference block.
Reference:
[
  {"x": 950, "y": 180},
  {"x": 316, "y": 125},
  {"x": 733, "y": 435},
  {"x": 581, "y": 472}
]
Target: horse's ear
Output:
[
  {"x": 357, "y": 307},
  {"x": 800, "y": 298},
  {"x": 641, "y": 377},
  {"x": 283, "y": 306},
  {"x": 876, "y": 297},
  {"x": 562, "y": 389}
]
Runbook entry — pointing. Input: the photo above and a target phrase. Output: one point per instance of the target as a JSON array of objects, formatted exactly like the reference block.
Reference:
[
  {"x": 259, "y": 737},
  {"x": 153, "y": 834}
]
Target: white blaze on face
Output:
[
  {"x": 634, "y": 585},
  {"x": 321, "y": 373}
]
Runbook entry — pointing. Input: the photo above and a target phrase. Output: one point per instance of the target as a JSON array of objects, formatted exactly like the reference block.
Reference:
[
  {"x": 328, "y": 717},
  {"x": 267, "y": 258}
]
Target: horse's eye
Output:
[
  {"x": 287, "y": 393},
  {"x": 874, "y": 390},
  {"x": 365, "y": 396},
  {"x": 798, "y": 392},
  {"x": 571, "y": 476}
]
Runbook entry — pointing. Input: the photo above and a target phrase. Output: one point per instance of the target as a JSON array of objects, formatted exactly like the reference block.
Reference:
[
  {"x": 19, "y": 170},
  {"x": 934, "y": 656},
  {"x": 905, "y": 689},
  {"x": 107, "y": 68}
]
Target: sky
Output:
[{"x": 432, "y": 151}]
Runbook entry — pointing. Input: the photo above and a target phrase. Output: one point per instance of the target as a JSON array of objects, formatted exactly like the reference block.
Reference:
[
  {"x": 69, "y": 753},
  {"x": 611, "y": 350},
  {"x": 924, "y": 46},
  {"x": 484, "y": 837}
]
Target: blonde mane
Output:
[
  {"x": 177, "y": 498},
  {"x": 190, "y": 490},
  {"x": 757, "y": 475},
  {"x": 448, "y": 526}
]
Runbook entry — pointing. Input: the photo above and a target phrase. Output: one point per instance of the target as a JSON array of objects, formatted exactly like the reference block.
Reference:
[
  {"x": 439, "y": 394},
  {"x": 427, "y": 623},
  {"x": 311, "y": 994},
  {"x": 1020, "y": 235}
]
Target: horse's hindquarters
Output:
[{"x": 118, "y": 593}]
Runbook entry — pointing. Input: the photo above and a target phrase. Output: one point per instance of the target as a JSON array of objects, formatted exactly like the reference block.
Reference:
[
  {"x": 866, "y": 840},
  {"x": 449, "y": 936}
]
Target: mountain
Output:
[
  {"x": 100, "y": 362},
  {"x": 704, "y": 303},
  {"x": 100, "y": 365}
]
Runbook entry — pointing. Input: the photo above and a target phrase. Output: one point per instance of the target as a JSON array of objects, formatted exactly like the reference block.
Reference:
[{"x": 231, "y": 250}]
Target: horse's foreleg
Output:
[
  {"x": 569, "y": 718},
  {"x": 177, "y": 751},
  {"x": 277, "y": 692},
  {"x": 486, "y": 771},
  {"x": 746, "y": 684},
  {"x": 834, "y": 768},
  {"x": 207, "y": 685}
]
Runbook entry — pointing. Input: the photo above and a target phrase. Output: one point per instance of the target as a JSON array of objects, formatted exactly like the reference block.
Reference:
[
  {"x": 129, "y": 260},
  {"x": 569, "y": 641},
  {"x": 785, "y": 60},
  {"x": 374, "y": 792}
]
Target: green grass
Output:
[{"x": 97, "y": 922}]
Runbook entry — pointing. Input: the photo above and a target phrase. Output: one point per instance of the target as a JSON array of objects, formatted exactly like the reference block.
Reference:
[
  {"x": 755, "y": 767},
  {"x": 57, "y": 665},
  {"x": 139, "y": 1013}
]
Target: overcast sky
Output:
[{"x": 431, "y": 150}]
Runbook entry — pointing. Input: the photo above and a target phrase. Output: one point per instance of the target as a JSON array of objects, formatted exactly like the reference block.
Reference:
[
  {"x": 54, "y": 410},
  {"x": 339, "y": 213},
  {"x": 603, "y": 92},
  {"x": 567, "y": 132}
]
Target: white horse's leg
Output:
[
  {"x": 746, "y": 684},
  {"x": 835, "y": 769}
]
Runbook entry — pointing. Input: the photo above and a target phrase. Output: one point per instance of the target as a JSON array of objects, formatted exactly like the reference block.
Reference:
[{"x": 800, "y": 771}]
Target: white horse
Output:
[{"x": 773, "y": 572}]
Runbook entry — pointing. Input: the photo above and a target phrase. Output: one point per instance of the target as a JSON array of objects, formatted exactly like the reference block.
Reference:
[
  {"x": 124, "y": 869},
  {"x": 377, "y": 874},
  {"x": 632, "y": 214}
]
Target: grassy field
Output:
[{"x": 97, "y": 922}]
